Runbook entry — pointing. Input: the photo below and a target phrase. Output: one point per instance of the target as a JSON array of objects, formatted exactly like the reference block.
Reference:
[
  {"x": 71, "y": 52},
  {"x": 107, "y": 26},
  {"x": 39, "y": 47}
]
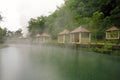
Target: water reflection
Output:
[
  {"x": 10, "y": 64},
  {"x": 35, "y": 62}
]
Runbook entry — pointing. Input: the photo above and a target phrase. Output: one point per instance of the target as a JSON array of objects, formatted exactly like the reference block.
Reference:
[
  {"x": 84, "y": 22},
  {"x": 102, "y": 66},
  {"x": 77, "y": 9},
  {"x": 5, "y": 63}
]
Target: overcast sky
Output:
[{"x": 16, "y": 13}]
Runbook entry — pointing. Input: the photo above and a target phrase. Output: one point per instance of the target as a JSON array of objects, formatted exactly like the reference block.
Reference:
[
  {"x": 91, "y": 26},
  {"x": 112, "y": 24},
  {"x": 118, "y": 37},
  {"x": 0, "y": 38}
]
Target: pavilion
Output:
[
  {"x": 45, "y": 37},
  {"x": 113, "y": 33},
  {"x": 80, "y": 35},
  {"x": 63, "y": 37}
]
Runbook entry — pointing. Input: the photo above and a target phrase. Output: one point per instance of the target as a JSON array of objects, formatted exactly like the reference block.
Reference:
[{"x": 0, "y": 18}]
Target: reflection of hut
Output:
[
  {"x": 63, "y": 37},
  {"x": 80, "y": 35},
  {"x": 113, "y": 33},
  {"x": 45, "y": 37}
]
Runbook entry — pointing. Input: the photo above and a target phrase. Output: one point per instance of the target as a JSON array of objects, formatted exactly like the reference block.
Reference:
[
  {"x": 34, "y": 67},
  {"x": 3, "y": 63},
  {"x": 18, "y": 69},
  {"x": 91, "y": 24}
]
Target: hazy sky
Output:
[{"x": 16, "y": 13}]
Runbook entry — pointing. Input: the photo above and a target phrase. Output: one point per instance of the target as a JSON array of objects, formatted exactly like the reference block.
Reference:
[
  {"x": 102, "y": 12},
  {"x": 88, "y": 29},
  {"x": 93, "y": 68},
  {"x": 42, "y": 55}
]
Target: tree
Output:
[
  {"x": 59, "y": 20},
  {"x": 18, "y": 33},
  {"x": 1, "y": 35},
  {"x": 1, "y": 31},
  {"x": 96, "y": 15},
  {"x": 36, "y": 25}
]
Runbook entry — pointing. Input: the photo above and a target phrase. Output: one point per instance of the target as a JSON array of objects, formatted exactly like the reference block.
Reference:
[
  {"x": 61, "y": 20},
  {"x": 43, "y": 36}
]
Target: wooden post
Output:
[
  {"x": 80, "y": 37},
  {"x": 118, "y": 35},
  {"x": 43, "y": 39},
  {"x": 106, "y": 35},
  {"x": 89, "y": 37},
  {"x": 63, "y": 38},
  {"x": 73, "y": 37},
  {"x": 70, "y": 38},
  {"x": 59, "y": 39}
]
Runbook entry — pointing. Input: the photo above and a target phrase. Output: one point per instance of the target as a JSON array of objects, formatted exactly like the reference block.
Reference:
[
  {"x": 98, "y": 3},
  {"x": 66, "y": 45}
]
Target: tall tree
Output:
[
  {"x": 18, "y": 33},
  {"x": 36, "y": 25},
  {"x": 96, "y": 15}
]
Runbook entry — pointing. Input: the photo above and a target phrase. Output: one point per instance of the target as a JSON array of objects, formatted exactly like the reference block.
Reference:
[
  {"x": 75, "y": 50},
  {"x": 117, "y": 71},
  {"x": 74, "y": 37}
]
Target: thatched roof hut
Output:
[
  {"x": 64, "y": 32},
  {"x": 45, "y": 37},
  {"x": 37, "y": 35},
  {"x": 113, "y": 29},
  {"x": 113, "y": 33},
  {"x": 80, "y": 29},
  {"x": 80, "y": 35},
  {"x": 63, "y": 37}
]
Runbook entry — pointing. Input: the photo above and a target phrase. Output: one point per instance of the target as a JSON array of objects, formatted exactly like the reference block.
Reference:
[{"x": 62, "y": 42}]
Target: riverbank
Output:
[
  {"x": 99, "y": 48},
  {"x": 102, "y": 48}
]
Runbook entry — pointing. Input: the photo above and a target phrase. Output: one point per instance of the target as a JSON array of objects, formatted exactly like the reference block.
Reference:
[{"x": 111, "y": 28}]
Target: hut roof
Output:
[
  {"x": 80, "y": 29},
  {"x": 45, "y": 35},
  {"x": 64, "y": 32},
  {"x": 113, "y": 29},
  {"x": 37, "y": 35}
]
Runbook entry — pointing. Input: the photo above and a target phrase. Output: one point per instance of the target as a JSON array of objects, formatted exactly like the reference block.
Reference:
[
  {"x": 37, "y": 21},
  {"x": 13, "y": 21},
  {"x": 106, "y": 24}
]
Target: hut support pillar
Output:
[
  {"x": 70, "y": 38},
  {"x": 80, "y": 38},
  {"x": 63, "y": 38},
  {"x": 106, "y": 35},
  {"x": 58, "y": 39},
  {"x": 118, "y": 34},
  {"x": 73, "y": 37},
  {"x": 43, "y": 39},
  {"x": 89, "y": 37}
]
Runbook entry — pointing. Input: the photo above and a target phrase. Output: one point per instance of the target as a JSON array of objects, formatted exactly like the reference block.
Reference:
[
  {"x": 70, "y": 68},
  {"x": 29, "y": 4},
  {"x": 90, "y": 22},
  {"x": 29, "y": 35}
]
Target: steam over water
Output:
[{"x": 35, "y": 62}]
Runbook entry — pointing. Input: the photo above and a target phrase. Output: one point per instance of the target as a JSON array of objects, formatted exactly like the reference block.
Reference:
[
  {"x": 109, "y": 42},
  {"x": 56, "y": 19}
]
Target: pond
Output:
[{"x": 36, "y": 62}]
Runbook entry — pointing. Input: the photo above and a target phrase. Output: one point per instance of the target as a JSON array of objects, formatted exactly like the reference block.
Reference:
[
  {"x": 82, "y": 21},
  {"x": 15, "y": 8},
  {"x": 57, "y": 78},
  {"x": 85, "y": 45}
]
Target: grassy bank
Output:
[{"x": 109, "y": 49}]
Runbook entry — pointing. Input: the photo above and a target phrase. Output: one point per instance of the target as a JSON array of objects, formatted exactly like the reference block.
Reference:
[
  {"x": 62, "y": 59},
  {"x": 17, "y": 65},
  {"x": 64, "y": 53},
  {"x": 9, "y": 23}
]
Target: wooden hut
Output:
[
  {"x": 37, "y": 38},
  {"x": 37, "y": 35},
  {"x": 63, "y": 37},
  {"x": 45, "y": 37},
  {"x": 113, "y": 33},
  {"x": 80, "y": 35}
]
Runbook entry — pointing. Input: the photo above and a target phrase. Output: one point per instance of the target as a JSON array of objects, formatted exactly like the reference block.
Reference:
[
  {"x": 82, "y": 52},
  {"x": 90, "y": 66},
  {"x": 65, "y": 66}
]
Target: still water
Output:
[{"x": 35, "y": 62}]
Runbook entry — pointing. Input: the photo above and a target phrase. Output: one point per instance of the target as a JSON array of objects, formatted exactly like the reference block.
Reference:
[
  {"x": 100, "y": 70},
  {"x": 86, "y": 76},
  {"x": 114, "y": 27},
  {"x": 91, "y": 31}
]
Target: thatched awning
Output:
[
  {"x": 45, "y": 35},
  {"x": 80, "y": 29},
  {"x": 64, "y": 32},
  {"x": 113, "y": 29}
]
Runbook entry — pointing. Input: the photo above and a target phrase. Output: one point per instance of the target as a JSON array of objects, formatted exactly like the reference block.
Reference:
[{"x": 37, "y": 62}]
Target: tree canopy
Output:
[{"x": 96, "y": 15}]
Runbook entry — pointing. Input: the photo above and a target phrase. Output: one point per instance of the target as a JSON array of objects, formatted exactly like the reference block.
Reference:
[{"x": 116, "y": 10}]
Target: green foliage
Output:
[
  {"x": 116, "y": 53},
  {"x": 36, "y": 25},
  {"x": 18, "y": 33},
  {"x": 1, "y": 35},
  {"x": 107, "y": 49},
  {"x": 59, "y": 20},
  {"x": 96, "y": 15}
]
